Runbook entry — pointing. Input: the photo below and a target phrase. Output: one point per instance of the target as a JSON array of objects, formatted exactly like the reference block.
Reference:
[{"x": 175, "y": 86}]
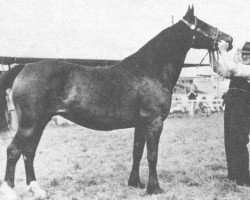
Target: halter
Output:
[
  {"x": 214, "y": 37},
  {"x": 191, "y": 26},
  {"x": 194, "y": 28}
]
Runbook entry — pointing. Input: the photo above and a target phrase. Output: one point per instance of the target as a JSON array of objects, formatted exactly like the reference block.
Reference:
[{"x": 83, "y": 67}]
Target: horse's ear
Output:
[
  {"x": 192, "y": 9},
  {"x": 189, "y": 13}
]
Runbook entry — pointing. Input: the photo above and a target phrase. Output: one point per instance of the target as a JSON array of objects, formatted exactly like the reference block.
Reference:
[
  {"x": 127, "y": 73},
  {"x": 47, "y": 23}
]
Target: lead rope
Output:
[
  {"x": 202, "y": 60},
  {"x": 216, "y": 38},
  {"x": 212, "y": 56},
  {"x": 211, "y": 63}
]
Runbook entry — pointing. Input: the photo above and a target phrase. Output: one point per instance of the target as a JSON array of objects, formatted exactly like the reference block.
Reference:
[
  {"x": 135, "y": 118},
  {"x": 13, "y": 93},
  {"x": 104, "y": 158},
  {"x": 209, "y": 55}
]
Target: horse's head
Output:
[{"x": 204, "y": 36}]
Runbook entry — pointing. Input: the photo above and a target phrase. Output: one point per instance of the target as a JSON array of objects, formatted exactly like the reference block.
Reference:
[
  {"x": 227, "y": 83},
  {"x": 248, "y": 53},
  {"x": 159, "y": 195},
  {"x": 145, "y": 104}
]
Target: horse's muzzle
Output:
[{"x": 228, "y": 40}]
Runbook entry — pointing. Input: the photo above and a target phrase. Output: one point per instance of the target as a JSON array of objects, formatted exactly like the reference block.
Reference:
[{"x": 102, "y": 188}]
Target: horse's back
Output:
[
  {"x": 98, "y": 98},
  {"x": 93, "y": 97}
]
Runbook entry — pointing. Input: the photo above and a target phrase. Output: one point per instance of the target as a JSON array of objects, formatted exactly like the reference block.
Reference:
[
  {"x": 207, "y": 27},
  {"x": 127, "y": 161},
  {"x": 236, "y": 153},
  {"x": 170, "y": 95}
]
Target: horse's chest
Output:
[{"x": 155, "y": 100}]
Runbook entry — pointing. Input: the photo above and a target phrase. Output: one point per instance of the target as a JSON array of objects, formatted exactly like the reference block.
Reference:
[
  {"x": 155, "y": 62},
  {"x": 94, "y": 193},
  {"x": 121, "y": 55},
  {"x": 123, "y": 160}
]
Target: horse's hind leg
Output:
[
  {"x": 13, "y": 155},
  {"x": 25, "y": 142},
  {"x": 139, "y": 143},
  {"x": 31, "y": 143}
]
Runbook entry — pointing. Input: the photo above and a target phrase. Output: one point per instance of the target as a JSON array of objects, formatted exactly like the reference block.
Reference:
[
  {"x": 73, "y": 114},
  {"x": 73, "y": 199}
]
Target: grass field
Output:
[{"x": 74, "y": 163}]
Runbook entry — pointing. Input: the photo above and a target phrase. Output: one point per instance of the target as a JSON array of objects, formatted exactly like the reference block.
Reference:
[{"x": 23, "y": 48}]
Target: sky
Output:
[{"x": 107, "y": 29}]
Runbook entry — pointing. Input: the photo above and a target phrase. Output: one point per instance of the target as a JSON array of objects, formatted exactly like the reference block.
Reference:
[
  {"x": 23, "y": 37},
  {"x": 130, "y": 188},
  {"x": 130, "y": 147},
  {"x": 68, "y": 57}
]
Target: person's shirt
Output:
[{"x": 192, "y": 96}]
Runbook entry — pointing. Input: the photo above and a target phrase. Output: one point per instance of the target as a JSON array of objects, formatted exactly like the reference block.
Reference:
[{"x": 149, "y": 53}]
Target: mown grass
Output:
[{"x": 75, "y": 163}]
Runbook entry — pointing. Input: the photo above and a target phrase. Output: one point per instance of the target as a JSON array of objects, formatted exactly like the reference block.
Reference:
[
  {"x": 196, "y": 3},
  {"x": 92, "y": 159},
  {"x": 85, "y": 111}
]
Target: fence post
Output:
[{"x": 191, "y": 110}]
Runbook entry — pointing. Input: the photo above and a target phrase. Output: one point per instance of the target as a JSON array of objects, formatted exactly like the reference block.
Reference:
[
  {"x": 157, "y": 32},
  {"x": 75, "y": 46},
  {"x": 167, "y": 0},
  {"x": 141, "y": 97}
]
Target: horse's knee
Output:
[
  {"x": 152, "y": 157},
  {"x": 13, "y": 153}
]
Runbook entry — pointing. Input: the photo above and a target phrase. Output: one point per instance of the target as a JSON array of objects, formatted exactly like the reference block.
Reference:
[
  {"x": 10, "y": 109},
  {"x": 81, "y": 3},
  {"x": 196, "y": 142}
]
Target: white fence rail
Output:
[{"x": 192, "y": 107}]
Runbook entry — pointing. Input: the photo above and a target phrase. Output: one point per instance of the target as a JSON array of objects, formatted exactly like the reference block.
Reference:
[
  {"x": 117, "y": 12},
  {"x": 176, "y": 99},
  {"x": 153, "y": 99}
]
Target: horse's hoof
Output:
[
  {"x": 37, "y": 191},
  {"x": 155, "y": 190},
  {"x": 7, "y": 193},
  {"x": 137, "y": 184}
]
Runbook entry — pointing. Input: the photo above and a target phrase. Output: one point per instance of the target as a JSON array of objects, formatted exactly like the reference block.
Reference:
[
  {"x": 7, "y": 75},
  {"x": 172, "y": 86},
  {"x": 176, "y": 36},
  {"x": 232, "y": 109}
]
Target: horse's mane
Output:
[{"x": 162, "y": 45}]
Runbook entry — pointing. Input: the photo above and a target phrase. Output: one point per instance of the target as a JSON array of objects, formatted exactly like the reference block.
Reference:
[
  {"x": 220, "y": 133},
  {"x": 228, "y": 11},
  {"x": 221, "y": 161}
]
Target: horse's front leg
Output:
[
  {"x": 139, "y": 143},
  {"x": 154, "y": 129}
]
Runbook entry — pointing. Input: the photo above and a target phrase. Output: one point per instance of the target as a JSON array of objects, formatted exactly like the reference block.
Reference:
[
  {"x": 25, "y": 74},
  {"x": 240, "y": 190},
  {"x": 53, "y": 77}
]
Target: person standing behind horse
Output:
[
  {"x": 237, "y": 112},
  {"x": 192, "y": 93}
]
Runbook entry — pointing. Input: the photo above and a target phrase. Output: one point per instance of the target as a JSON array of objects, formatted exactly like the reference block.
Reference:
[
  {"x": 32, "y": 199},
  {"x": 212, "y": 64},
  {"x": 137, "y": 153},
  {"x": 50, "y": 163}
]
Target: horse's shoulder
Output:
[{"x": 152, "y": 90}]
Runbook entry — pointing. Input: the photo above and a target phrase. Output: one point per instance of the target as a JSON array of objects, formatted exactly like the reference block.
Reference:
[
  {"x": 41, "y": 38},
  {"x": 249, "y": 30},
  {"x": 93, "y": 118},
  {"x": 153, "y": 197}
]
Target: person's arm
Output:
[
  {"x": 222, "y": 69},
  {"x": 229, "y": 68},
  {"x": 241, "y": 71}
]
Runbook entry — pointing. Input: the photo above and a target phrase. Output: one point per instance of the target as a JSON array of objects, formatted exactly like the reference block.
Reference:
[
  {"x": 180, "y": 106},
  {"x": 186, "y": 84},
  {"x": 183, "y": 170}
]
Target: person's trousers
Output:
[{"x": 236, "y": 130}]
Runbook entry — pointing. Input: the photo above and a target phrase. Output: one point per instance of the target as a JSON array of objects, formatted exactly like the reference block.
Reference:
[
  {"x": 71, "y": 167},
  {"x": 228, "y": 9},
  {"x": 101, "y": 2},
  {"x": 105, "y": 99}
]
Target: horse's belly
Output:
[{"x": 104, "y": 119}]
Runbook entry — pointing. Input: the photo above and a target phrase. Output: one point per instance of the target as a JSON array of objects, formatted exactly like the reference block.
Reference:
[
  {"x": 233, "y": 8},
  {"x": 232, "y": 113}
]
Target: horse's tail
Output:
[{"x": 6, "y": 82}]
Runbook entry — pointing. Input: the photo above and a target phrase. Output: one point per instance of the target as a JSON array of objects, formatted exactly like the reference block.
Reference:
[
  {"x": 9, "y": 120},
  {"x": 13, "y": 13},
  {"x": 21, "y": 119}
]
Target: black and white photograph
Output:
[{"x": 129, "y": 99}]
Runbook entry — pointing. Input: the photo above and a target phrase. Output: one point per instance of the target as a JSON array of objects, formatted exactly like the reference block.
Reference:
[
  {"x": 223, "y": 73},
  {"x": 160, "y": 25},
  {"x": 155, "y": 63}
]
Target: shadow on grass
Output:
[
  {"x": 216, "y": 167},
  {"x": 178, "y": 176}
]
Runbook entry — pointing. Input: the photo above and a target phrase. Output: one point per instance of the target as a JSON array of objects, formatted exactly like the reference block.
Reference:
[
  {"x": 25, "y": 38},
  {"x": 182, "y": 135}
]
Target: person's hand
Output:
[{"x": 223, "y": 46}]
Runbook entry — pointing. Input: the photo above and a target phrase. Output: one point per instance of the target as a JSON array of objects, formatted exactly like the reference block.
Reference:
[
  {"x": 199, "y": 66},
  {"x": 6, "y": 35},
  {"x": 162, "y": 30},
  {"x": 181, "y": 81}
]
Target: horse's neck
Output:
[{"x": 164, "y": 55}]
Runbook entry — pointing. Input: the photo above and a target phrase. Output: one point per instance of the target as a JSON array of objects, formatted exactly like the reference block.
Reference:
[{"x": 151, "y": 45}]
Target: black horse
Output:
[{"x": 135, "y": 92}]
